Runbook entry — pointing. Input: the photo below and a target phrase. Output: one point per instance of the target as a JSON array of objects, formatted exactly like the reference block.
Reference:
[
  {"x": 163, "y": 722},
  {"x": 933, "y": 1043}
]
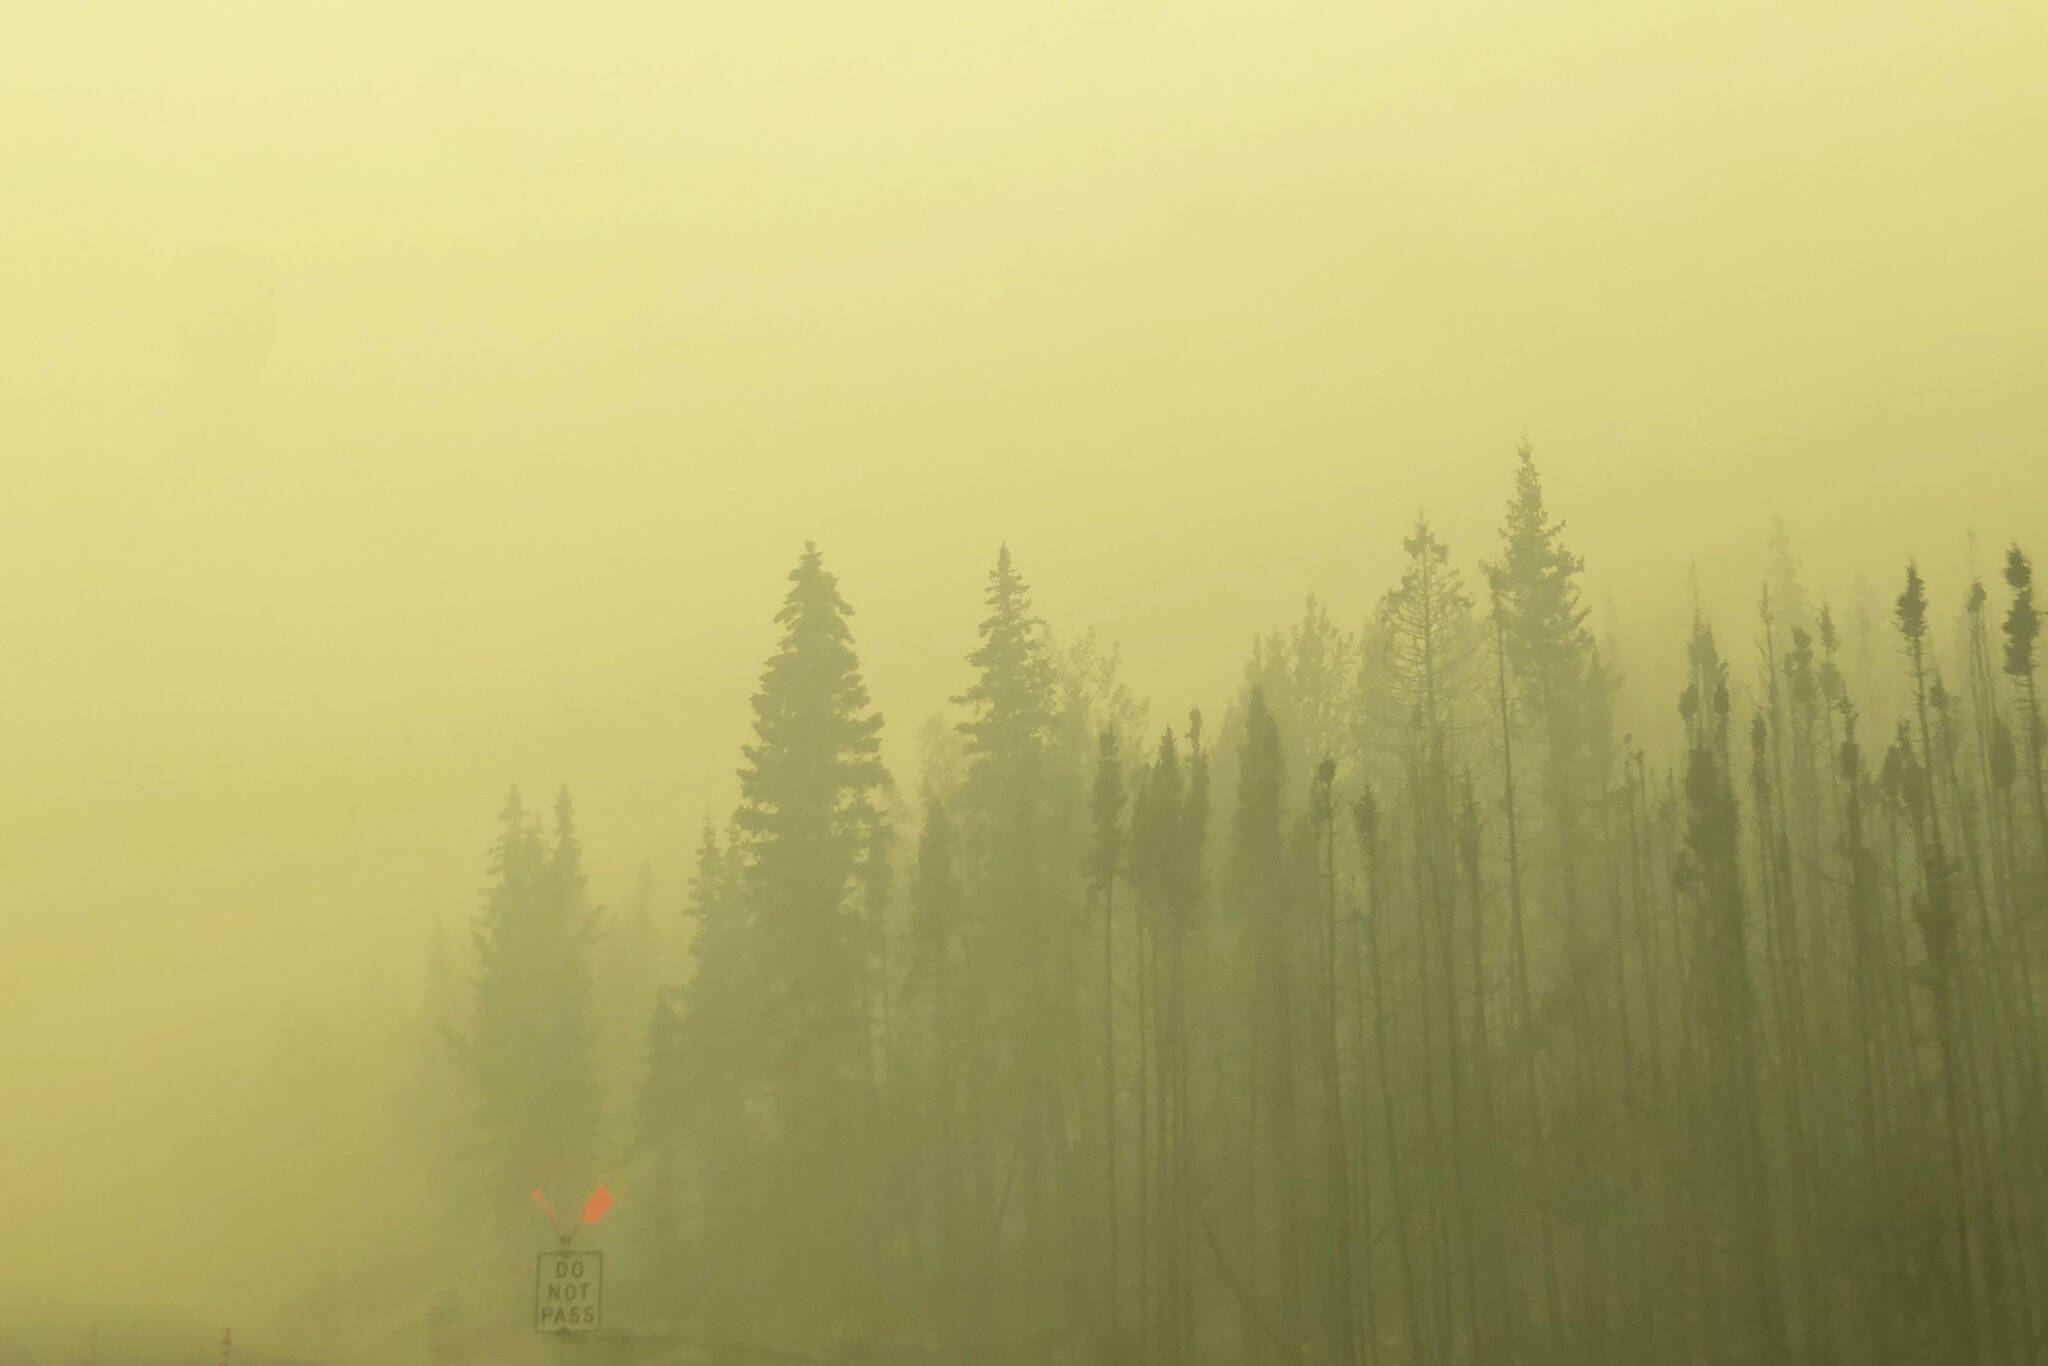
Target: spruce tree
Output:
[
  {"x": 805, "y": 815},
  {"x": 1017, "y": 942},
  {"x": 1549, "y": 652}
]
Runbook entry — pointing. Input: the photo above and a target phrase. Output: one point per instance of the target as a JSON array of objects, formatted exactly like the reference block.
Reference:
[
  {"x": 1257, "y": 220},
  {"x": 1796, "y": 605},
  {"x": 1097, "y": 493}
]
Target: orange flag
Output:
[
  {"x": 593, "y": 1209},
  {"x": 546, "y": 1208}
]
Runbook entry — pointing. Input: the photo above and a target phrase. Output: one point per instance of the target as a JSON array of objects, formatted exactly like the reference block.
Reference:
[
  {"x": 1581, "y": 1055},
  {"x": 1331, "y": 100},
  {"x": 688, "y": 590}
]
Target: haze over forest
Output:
[{"x": 401, "y": 404}]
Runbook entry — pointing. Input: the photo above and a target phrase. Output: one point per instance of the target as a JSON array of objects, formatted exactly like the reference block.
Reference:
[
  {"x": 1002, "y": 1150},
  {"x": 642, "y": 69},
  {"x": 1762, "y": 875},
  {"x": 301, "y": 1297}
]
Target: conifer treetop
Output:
[
  {"x": 2022, "y": 623},
  {"x": 1012, "y": 698},
  {"x": 817, "y": 745},
  {"x": 1537, "y": 579}
]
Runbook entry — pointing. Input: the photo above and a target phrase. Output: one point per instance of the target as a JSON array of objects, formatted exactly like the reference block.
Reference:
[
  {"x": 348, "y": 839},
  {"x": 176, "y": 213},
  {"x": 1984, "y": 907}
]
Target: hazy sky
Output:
[{"x": 400, "y": 400}]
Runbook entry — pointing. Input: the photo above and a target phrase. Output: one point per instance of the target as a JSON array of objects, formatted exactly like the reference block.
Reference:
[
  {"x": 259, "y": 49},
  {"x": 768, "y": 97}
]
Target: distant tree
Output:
[
  {"x": 1743, "y": 1297},
  {"x": 1935, "y": 913},
  {"x": 530, "y": 1042},
  {"x": 1168, "y": 829},
  {"x": 935, "y": 900},
  {"x": 714, "y": 1031},
  {"x": 1010, "y": 705},
  {"x": 1018, "y": 955},
  {"x": 1550, "y": 654},
  {"x": 1321, "y": 665},
  {"x": 436, "y": 1101},
  {"x": 805, "y": 816},
  {"x": 660, "y": 1138},
  {"x": 2022, "y": 628},
  {"x": 1430, "y": 643},
  {"x": 933, "y": 983},
  {"x": 803, "y": 819},
  {"x": 707, "y": 1070},
  {"x": 1793, "y": 605},
  {"x": 1105, "y": 866},
  {"x": 1258, "y": 892},
  {"x": 629, "y": 971}
]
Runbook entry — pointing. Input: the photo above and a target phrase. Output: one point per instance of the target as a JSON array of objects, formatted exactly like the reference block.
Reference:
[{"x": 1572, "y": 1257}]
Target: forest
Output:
[
  {"x": 1216, "y": 683},
  {"x": 1398, "y": 1009}
]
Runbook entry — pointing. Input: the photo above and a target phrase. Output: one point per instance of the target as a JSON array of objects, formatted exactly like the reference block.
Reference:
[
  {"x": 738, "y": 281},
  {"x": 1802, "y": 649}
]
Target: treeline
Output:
[{"x": 1405, "y": 1012}]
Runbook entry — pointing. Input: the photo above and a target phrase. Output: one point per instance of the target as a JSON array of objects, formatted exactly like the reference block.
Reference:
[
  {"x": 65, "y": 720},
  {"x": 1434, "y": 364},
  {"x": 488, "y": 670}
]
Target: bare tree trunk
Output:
[
  {"x": 1404, "y": 1238},
  {"x": 1338, "y": 1155},
  {"x": 1524, "y": 1009}
]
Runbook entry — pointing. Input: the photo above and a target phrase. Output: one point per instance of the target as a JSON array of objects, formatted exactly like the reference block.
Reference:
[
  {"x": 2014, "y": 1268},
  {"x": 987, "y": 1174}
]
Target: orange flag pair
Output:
[{"x": 593, "y": 1209}]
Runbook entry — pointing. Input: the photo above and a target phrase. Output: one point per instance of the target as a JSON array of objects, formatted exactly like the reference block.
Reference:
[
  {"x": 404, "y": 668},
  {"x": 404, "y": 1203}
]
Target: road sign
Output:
[{"x": 568, "y": 1291}]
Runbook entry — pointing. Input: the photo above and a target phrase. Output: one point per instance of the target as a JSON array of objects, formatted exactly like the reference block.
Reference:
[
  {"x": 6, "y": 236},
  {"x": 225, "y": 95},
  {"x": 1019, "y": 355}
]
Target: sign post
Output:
[{"x": 568, "y": 1286}]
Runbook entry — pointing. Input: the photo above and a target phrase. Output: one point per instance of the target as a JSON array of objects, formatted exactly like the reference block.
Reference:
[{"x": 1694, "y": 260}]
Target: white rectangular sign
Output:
[{"x": 568, "y": 1290}]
